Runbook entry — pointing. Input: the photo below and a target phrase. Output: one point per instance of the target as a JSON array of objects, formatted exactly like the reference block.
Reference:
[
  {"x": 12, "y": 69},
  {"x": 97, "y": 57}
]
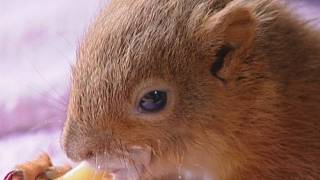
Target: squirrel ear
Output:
[
  {"x": 234, "y": 24},
  {"x": 233, "y": 27}
]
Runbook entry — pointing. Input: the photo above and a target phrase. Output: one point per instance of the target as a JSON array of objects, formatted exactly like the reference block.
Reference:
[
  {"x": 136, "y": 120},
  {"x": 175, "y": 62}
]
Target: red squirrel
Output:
[{"x": 207, "y": 89}]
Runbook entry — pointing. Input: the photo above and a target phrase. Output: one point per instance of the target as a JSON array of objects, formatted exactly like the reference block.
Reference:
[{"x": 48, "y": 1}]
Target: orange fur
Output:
[{"x": 258, "y": 120}]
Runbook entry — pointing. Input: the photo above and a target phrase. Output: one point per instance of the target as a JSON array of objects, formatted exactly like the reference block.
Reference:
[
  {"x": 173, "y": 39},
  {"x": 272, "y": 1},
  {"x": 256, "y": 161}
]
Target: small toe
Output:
[{"x": 14, "y": 175}]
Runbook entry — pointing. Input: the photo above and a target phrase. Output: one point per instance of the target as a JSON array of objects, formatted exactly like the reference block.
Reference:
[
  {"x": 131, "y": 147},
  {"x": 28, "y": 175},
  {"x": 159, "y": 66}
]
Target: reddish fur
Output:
[{"x": 263, "y": 122}]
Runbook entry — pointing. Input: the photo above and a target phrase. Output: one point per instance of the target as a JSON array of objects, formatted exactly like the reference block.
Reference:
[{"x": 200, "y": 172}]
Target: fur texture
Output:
[{"x": 258, "y": 120}]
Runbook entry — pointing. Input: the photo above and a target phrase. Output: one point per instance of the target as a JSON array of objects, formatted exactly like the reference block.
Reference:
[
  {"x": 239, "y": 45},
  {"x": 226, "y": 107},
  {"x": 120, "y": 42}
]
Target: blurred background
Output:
[{"x": 38, "y": 41}]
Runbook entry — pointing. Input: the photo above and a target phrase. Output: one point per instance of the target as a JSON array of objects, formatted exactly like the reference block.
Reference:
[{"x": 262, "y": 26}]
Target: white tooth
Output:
[
  {"x": 140, "y": 155},
  {"x": 136, "y": 148},
  {"x": 103, "y": 163}
]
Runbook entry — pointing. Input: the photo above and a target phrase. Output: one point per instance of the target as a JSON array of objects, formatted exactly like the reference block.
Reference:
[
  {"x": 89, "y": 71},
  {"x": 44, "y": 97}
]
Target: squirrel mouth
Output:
[
  {"x": 131, "y": 165},
  {"x": 119, "y": 168}
]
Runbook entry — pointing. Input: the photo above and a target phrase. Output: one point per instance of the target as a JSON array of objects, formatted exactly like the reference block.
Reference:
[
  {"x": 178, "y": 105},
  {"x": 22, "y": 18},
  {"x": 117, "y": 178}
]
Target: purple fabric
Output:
[
  {"x": 38, "y": 39},
  {"x": 37, "y": 46}
]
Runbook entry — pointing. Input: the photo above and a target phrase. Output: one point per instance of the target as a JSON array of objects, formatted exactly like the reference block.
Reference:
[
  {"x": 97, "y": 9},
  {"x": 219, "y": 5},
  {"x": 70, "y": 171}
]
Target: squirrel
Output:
[{"x": 208, "y": 89}]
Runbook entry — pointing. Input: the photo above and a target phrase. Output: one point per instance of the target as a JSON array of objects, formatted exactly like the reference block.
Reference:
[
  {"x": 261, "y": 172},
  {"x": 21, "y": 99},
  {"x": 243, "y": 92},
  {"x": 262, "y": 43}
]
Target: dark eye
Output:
[{"x": 153, "y": 101}]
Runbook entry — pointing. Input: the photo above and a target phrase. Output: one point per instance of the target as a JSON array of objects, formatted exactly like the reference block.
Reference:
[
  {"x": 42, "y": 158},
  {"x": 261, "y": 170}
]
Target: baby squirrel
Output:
[
  {"x": 227, "y": 89},
  {"x": 207, "y": 89}
]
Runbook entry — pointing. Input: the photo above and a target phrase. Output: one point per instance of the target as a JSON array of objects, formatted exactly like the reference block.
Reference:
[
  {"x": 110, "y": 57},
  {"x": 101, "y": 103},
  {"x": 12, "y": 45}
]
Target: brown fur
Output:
[{"x": 258, "y": 120}]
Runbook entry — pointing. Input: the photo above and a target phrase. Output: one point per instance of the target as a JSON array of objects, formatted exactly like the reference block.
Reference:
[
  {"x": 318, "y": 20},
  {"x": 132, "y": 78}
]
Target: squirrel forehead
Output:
[
  {"x": 143, "y": 31},
  {"x": 135, "y": 40}
]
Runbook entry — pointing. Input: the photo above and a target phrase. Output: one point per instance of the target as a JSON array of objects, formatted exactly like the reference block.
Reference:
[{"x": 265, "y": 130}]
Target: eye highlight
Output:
[{"x": 153, "y": 101}]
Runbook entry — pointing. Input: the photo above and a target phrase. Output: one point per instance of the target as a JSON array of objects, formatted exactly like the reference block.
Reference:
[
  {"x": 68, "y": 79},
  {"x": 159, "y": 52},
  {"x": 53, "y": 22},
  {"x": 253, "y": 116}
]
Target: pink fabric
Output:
[{"x": 38, "y": 39}]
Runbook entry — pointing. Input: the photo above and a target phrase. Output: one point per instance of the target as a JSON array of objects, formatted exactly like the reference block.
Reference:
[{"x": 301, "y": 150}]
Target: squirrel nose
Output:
[
  {"x": 88, "y": 154},
  {"x": 82, "y": 143},
  {"x": 77, "y": 152},
  {"x": 81, "y": 151},
  {"x": 82, "y": 148}
]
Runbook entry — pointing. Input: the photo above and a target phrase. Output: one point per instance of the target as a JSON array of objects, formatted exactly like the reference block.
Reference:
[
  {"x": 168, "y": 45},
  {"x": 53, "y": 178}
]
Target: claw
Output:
[
  {"x": 14, "y": 175},
  {"x": 40, "y": 168}
]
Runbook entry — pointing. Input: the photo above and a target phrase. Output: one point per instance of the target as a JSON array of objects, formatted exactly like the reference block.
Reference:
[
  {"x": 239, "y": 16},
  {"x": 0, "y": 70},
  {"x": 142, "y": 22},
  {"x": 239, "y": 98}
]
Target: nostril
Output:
[{"x": 89, "y": 155}]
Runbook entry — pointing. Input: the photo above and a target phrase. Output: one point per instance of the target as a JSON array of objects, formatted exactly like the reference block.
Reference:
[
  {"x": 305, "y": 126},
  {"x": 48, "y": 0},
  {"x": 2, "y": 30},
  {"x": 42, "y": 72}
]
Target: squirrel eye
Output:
[{"x": 153, "y": 101}]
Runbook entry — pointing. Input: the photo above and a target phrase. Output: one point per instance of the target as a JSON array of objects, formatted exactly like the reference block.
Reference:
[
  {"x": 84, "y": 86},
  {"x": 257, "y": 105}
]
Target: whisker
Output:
[
  {"x": 146, "y": 169},
  {"x": 66, "y": 41},
  {"x": 135, "y": 167},
  {"x": 54, "y": 100},
  {"x": 46, "y": 123},
  {"x": 105, "y": 154},
  {"x": 124, "y": 152},
  {"x": 45, "y": 80}
]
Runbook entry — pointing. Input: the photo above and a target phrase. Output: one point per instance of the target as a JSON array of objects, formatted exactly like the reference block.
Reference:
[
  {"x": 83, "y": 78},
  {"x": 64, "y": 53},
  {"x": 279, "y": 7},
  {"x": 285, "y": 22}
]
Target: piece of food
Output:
[
  {"x": 53, "y": 172},
  {"x": 84, "y": 172},
  {"x": 42, "y": 168},
  {"x": 31, "y": 169}
]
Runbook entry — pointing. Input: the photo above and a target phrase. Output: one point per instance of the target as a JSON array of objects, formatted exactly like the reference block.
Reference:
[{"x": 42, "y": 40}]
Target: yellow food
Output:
[{"x": 84, "y": 172}]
